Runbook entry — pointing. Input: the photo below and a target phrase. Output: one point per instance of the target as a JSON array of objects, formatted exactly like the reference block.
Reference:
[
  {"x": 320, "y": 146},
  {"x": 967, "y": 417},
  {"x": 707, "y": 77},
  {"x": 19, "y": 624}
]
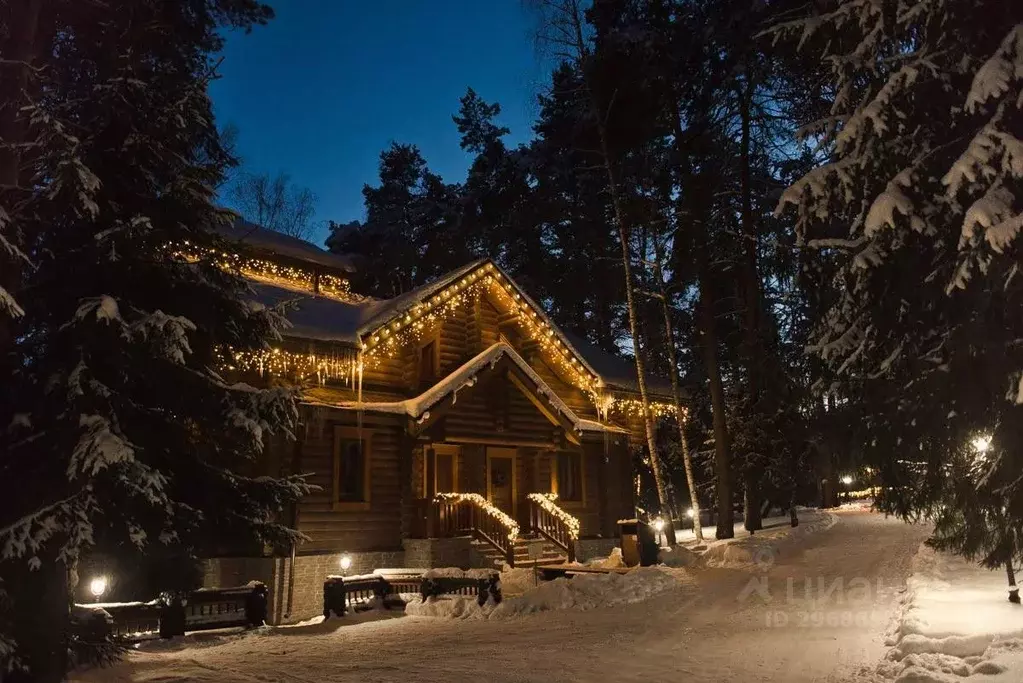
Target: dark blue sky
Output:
[{"x": 327, "y": 85}]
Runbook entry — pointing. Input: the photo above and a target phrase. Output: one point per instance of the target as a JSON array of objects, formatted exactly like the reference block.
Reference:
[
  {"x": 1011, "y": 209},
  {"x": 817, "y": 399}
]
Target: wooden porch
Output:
[{"x": 505, "y": 495}]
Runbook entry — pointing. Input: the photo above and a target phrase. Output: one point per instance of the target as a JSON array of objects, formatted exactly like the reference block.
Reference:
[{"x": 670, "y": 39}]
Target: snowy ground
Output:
[
  {"x": 815, "y": 612},
  {"x": 770, "y": 524},
  {"x": 957, "y": 625}
]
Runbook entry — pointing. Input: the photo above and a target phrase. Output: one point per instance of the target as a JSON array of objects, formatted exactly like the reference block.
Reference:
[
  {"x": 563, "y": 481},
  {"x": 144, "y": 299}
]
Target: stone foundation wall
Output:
[
  {"x": 310, "y": 571},
  {"x": 428, "y": 553},
  {"x": 589, "y": 548}
]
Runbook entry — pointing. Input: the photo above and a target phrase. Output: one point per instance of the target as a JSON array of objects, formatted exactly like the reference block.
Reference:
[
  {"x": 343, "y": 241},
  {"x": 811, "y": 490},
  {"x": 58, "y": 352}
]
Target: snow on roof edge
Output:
[{"x": 465, "y": 376}]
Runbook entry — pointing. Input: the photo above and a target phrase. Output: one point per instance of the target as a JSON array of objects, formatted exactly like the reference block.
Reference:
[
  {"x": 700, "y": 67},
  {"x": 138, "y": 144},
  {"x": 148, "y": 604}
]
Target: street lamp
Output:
[
  {"x": 982, "y": 443},
  {"x": 346, "y": 563},
  {"x": 98, "y": 586},
  {"x": 658, "y": 525},
  {"x": 846, "y": 481}
]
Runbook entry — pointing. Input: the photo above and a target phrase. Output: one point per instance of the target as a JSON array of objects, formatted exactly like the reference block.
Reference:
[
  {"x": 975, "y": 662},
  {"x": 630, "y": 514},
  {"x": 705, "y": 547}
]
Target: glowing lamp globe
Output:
[
  {"x": 659, "y": 525},
  {"x": 346, "y": 562},
  {"x": 847, "y": 480},
  {"x": 689, "y": 513},
  {"x": 98, "y": 586},
  {"x": 981, "y": 444}
]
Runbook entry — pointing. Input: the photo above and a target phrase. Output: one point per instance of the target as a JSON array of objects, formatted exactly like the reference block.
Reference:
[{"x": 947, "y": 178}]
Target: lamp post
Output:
[
  {"x": 846, "y": 481},
  {"x": 346, "y": 563},
  {"x": 658, "y": 526}
]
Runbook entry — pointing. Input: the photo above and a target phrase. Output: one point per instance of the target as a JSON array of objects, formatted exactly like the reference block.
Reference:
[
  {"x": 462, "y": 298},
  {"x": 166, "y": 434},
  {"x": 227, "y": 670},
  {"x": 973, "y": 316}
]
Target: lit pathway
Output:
[{"x": 703, "y": 631}]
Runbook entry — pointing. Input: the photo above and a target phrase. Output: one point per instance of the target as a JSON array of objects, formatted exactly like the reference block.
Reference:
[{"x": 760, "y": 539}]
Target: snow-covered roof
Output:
[
  {"x": 617, "y": 372},
  {"x": 465, "y": 376},
  {"x": 271, "y": 242},
  {"x": 324, "y": 319},
  {"x": 316, "y": 317},
  {"x": 387, "y": 310}
]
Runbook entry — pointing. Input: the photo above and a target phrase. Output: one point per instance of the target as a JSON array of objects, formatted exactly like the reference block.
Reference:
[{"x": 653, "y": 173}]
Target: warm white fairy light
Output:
[
  {"x": 262, "y": 270},
  {"x": 510, "y": 524},
  {"x": 633, "y": 407},
  {"x": 411, "y": 325},
  {"x": 547, "y": 502}
]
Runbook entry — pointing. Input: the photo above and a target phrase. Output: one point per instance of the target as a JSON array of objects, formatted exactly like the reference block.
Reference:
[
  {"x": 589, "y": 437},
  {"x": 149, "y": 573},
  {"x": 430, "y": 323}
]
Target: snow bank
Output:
[
  {"x": 678, "y": 556},
  {"x": 765, "y": 546},
  {"x": 956, "y": 625},
  {"x": 614, "y": 560},
  {"x": 584, "y": 592}
]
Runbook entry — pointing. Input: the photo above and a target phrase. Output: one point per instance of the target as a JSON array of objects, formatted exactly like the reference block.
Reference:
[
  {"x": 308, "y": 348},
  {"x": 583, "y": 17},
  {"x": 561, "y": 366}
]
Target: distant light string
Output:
[{"x": 325, "y": 284}]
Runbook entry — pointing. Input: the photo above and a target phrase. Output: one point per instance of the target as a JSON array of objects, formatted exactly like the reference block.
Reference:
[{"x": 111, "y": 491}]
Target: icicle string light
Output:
[
  {"x": 633, "y": 407},
  {"x": 342, "y": 366},
  {"x": 412, "y": 324},
  {"x": 547, "y": 502},
  {"x": 328, "y": 285}
]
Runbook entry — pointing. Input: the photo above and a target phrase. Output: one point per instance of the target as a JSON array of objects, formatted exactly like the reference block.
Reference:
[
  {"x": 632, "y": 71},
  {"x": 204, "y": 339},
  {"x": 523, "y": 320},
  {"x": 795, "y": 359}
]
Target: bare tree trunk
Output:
[
  {"x": 1011, "y": 576},
  {"x": 722, "y": 447},
  {"x": 680, "y": 412},
  {"x": 752, "y": 472},
  {"x": 571, "y": 14}
]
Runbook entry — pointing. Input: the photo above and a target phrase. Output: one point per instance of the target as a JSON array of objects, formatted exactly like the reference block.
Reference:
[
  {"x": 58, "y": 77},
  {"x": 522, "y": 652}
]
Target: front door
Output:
[{"x": 501, "y": 478}]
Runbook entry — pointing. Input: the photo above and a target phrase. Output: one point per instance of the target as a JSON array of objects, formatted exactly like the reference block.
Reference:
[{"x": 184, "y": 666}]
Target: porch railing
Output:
[
  {"x": 548, "y": 520},
  {"x": 470, "y": 514}
]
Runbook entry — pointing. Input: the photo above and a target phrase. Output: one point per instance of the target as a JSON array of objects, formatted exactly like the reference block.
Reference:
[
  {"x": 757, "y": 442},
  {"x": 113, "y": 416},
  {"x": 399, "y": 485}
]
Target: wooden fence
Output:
[
  {"x": 199, "y": 610},
  {"x": 341, "y": 594}
]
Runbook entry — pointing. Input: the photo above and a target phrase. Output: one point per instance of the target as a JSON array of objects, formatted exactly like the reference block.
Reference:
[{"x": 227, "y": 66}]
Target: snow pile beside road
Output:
[
  {"x": 765, "y": 546},
  {"x": 584, "y": 592},
  {"x": 678, "y": 556},
  {"x": 956, "y": 625}
]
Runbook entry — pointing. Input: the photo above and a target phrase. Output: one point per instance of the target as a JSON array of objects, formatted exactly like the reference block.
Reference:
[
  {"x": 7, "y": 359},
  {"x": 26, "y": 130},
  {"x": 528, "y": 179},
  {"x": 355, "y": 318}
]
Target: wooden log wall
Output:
[{"x": 377, "y": 528}]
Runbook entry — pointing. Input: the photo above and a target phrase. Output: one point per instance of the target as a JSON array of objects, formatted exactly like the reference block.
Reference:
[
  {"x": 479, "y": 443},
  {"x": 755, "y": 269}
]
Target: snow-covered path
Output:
[{"x": 719, "y": 626}]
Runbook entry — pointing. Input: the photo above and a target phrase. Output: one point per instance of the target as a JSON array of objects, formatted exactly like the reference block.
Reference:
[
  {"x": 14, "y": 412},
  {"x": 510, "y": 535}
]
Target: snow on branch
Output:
[
  {"x": 9, "y": 305},
  {"x": 882, "y": 210},
  {"x": 98, "y": 448},
  {"x": 994, "y": 77}
]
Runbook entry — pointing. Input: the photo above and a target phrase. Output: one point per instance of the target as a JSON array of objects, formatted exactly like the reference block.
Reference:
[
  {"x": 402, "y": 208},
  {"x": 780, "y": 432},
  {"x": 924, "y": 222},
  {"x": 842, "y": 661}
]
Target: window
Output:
[
  {"x": 351, "y": 469},
  {"x": 428, "y": 363},
  {"x": 568, "y": 476}
]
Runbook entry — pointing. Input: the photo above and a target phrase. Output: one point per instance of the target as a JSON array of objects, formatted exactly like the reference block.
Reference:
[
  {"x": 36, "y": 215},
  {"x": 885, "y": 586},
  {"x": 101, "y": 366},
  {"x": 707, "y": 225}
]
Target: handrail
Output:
[
  {"x": 453, "y": 513},
  {"x": 548, "y": 520}
]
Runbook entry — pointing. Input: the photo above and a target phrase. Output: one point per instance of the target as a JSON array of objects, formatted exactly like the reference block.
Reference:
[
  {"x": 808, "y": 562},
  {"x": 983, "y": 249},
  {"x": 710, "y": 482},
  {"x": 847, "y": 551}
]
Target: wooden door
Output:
[{"x": 501, "y": 478}]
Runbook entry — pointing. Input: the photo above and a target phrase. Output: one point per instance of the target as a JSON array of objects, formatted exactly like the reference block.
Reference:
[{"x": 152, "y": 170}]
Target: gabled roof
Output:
[
  {"x": 464, "y": 377},
  {"x": 275, "y": 243},
  {"x": 353, "y": 324}
]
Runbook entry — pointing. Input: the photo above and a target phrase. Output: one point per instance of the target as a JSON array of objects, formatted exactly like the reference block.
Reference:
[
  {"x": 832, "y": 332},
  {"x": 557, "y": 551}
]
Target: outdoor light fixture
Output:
[
  {"x": 346, "y": 562},
  {"x": 98, "y": 586},
  {"x": 689, "y": 513},
  {"x": 847, "y": 480},
  {"x": 659, "y": 525},
  {"x": 982, "y": 444}
]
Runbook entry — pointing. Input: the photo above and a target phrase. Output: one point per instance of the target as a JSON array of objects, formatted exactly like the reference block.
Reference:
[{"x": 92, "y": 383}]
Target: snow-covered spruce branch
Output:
[{"x": 30, "y": 533}]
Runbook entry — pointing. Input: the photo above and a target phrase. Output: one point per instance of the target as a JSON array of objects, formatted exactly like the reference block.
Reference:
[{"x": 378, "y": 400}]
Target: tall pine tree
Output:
[
  {"x": 917, "y": 206},
  {"x": 115, "y": 425}
]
